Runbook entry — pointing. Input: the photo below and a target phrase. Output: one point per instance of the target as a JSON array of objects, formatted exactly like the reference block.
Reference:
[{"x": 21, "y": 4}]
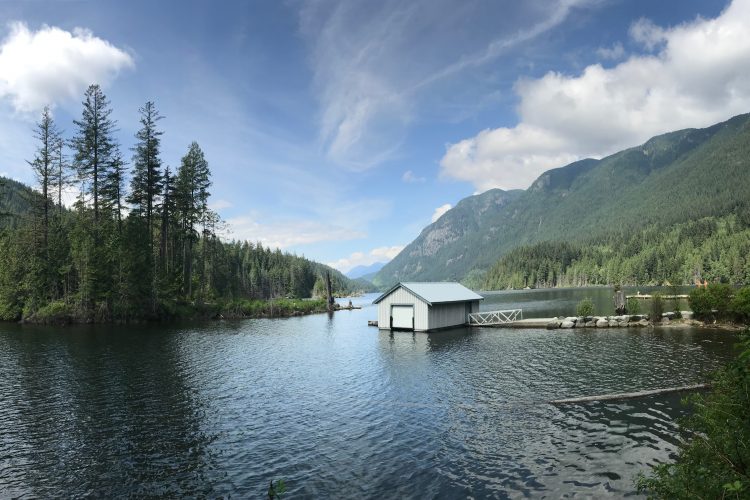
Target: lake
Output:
[{"x": 339, "y": 409}]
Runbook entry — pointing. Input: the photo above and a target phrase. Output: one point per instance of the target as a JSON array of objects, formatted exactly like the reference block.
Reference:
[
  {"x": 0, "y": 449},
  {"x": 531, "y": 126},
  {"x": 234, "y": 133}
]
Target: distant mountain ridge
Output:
[
  {"x": 671, "y": 178},
  {"x": 362, "y": 271}
]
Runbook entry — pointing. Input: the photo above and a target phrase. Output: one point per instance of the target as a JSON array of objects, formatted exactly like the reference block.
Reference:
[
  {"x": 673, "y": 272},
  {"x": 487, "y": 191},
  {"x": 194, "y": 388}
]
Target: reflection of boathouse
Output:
[{"x": 426, "y": 306}]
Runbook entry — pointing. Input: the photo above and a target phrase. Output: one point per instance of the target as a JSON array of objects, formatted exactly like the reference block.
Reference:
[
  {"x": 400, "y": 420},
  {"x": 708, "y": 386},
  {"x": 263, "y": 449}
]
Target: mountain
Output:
[
  {"x": 672, "y": 178},
  {"x": 361, "y": 271},
  {"x": 16, "y": 200}
]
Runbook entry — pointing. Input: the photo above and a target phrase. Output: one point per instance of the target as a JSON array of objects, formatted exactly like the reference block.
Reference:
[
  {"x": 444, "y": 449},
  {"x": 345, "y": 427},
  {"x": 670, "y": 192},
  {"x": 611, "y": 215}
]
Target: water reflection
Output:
[
  {"x": 337, "y": 408},
  {"x": 81, "y": 404}
]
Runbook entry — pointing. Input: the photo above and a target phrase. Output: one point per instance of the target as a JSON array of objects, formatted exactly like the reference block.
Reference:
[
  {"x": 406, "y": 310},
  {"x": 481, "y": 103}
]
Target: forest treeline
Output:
[
  {"x": 716, "y": 249},
  {"x": 140, "y": 241}
]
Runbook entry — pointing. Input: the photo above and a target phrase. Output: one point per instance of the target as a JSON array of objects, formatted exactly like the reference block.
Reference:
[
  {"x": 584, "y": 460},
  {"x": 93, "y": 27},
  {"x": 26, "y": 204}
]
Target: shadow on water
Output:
[{"x": 93, "y": 411}]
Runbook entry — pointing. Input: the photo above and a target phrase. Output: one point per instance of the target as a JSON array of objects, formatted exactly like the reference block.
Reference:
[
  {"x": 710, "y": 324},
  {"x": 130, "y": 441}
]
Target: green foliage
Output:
[
  {"x": 701, "y": 303},
  {"x": 57, "y": 312},
  {"x": 276, "y": 490},
  {"x": 272, "y": 308},
  {"x": 712, "y": 461},
  {"x": 633, "y": 306},
  {"x": 740, "y": 305},
  {"x": 585, "y": 307},
  {"x": 713, "y": 247},
  {"x": 657, "y": 307},
  {"x": 720, "y": 301}
]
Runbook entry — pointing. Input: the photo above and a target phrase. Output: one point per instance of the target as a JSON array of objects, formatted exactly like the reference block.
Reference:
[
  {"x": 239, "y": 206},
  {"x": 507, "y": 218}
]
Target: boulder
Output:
[
  {"x": 572, "y": 319},
  {"x": 602, "y": 323},
  {"x": 614, "y": 322},
  {"x": 567, "y": 324},
  {"x": 642, "y": 322},
  {"x": 553, "y": 325},
  {"x": 687, "y": 314}
]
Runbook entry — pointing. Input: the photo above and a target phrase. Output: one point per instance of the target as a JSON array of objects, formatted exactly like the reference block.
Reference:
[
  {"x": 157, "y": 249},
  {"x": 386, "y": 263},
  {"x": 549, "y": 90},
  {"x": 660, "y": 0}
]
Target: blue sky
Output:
[{"x": 338, "y": 130}]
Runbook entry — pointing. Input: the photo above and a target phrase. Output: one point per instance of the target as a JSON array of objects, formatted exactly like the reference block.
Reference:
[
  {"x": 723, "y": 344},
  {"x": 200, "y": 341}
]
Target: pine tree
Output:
[
  {"x": 191, "y": 202},
  {"x": 94, "y": 144},
  {"x": 43, "y": 165},
  {"x": 146, "y": 184}
]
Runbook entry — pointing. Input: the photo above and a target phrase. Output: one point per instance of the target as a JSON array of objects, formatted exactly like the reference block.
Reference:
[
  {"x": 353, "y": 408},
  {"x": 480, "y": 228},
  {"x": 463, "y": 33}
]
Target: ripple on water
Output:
[{"x": 336, "y": 409}]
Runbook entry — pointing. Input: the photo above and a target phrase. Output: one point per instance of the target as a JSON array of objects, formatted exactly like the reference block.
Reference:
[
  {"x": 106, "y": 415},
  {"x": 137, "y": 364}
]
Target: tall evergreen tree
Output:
[
  {"x": 191, "y": 201},
  {"x": 43, "y": 165},
  {"x": 112, "y": 191},
  {"x": 146, "y": 184},
  {"x": 94, "y": 144}
]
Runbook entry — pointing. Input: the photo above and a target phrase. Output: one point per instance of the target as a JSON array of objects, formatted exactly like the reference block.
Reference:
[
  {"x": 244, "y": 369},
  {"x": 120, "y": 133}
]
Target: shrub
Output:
[
  {"x": 740, "y": 305},
  {"x": 721, "y": 297},
  {"x": 633, "y": 306},
  {"x": 712, "y": 459},
  {"x": 57, "y": 312},
  {"x": 713, "y": 302},
  {"x": 657, "y": 307},
  {"x": 700, "y": 303},
  {"x": 585, "y": 307}
]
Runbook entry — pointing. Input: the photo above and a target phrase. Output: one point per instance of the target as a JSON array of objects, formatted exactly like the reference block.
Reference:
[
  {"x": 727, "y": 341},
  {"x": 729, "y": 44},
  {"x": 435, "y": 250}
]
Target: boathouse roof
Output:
[{"x": 435, "y": 293}]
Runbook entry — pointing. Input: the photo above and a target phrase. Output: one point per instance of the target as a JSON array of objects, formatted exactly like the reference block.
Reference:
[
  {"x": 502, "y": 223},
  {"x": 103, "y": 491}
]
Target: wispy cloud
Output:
[
  {"x": 371, "y": 61},
  {"x": 51, "y": 65},
  {"x": 380, "y": 254},
  {"x": 411, "y": 178},
  {"x": 613, "y": 53},
  {"x": 439, "y": 211},
  {"x": 287, "y": 232},
  {"x": 698, "y": 75}
]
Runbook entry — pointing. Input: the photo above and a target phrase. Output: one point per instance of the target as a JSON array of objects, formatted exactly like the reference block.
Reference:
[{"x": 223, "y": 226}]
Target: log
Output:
[{"x": 629, "y": 395}]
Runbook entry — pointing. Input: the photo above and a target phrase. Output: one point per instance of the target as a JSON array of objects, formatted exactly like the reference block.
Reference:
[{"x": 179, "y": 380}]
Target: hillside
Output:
[
  {"x": 16, "y": 199},
  {"x": 670, "y": 179}
]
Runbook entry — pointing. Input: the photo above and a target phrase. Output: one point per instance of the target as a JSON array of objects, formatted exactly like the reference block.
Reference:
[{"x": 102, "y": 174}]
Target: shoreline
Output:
[{"x": 61, "y": 314}]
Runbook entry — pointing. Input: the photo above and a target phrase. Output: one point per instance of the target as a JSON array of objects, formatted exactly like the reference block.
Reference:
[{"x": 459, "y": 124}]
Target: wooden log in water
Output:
[
  {"x": 629, "y": 395},
  {"x": 664, "y": 297}
]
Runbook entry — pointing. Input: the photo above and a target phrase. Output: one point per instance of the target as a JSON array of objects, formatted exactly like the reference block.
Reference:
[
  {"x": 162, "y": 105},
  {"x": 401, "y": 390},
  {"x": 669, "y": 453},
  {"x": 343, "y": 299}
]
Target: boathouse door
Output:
[{"x": 402, "y": 317}]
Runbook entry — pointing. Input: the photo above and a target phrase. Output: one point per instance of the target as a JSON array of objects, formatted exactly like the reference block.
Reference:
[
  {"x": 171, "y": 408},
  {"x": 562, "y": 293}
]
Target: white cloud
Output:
[
  {"x": 699, "y": 75},
  {"x": 615, "y": 52},
  {"x": 51, "y": 65},
  {"x": 371, "y": 60},
  {"x": 220, "y": 205},
  {"x": 285, "y": 233},
  {"x": 380, "y": 254},
  {"x": 439, "y": 211},
  {"x": 411, "y": 178}
]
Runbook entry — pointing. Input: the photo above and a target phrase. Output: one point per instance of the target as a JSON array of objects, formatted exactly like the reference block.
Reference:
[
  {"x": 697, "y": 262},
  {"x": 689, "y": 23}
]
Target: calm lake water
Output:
[{"x": 339, "y": 409}]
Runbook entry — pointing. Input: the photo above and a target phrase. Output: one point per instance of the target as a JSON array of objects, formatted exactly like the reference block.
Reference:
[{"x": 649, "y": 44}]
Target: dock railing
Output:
[{"x": 495, "y": 317}]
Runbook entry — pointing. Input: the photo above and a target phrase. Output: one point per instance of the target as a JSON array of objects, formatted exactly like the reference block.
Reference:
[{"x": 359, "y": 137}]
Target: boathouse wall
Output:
[{"x": 402, "y": 296}]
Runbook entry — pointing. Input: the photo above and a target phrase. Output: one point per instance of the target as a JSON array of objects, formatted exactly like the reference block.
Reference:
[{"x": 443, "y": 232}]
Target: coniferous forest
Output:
[
  {"x": 716, "y": 249},
  {"x": 140, "y": 241}
]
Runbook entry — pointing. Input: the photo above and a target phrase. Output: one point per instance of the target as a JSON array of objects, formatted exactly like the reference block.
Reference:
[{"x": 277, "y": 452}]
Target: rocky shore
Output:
[{"x": 622, "y": 321}]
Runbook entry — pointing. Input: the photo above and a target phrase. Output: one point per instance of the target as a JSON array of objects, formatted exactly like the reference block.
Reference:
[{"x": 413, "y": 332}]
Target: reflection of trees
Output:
[{"x": 100, "y": 411}]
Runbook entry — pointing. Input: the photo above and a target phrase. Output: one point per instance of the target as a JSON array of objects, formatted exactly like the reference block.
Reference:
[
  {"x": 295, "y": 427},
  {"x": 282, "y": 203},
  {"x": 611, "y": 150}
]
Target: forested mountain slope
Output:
[{"x": 671, "y": 179}]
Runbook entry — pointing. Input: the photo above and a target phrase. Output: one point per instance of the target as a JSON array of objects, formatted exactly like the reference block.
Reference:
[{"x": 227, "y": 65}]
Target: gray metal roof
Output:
[{"x": 436, "y": 293}]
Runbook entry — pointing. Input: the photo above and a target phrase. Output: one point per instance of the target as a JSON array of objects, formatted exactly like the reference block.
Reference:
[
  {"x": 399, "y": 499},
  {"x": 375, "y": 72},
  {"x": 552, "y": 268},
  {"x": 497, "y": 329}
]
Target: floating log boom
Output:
[{"x": 629, "y": 395}]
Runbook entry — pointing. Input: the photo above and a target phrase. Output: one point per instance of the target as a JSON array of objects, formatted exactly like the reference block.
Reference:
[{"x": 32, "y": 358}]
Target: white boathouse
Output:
[{"x": 426, "y": 306}]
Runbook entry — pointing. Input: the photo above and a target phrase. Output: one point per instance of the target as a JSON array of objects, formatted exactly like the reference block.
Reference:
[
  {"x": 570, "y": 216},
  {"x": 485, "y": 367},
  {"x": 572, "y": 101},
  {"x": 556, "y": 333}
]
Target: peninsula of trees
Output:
[{"x": 140, "y": 241}]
